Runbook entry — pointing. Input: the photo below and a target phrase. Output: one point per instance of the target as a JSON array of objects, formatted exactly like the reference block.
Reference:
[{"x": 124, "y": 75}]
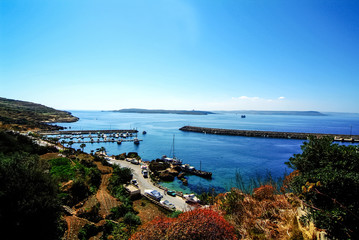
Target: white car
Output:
[
  {"x": 154, "y": 194},
  {"x": 168, "y": 204}
]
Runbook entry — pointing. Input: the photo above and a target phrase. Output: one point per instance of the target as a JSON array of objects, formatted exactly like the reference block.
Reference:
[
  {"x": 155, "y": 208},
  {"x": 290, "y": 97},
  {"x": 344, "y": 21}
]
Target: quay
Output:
[
  {"x": 269, "y": 134},
  {"x": 88, "y": 132}
]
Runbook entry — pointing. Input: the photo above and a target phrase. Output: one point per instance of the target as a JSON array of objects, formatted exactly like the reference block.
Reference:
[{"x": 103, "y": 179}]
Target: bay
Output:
[{"x": 221, "y": 155}]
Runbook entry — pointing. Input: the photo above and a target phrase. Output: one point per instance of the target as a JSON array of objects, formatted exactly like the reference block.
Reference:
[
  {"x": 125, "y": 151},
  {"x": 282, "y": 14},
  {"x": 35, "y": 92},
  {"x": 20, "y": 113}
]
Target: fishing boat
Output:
[{"x": 136, "y": 141}]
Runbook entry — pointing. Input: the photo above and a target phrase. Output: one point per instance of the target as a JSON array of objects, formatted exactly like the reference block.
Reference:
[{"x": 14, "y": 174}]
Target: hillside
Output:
[{"x": 22, "y": 114}]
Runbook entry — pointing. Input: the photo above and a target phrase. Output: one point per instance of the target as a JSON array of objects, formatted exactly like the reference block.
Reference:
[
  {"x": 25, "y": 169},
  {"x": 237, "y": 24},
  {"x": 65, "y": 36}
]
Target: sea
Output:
[{"x": 227, "y": 157}]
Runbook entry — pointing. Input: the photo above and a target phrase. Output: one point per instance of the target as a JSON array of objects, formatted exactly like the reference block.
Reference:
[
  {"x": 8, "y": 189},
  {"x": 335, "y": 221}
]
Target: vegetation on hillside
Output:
[
  {"x": 21, "y": 115},
  {"x": 195, "y": 224},
  {"x": 29, "y": 200},
  {"x": 327, "y": 180}
]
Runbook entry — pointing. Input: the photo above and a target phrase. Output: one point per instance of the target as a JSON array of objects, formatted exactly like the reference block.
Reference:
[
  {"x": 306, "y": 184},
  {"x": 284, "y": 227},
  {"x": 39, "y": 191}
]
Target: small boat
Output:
[
  {"x": 172, "y": 159},
  {"x": 136, "y": 141},
  {"x": 243, "y": 116},
  {"x": 144, "y": 132},
  {"x": 119, "y": 142}
]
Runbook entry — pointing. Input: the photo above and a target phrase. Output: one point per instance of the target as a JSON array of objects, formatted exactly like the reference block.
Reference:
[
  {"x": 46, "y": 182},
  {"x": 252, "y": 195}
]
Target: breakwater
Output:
[{"x": 268, "y": 134}]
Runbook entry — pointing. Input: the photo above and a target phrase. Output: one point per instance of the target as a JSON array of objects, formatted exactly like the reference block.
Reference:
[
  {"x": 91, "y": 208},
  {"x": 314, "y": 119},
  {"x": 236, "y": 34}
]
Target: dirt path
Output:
[
  {"x": 74, "y": 224},
  {"x": 104, "y": 198}
]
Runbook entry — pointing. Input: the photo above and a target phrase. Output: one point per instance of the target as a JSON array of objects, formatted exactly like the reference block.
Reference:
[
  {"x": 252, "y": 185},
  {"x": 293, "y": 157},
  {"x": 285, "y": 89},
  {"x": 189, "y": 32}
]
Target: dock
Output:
[
  {"x": 94, "y": 136},
  {"x": 270, "y": 134}
]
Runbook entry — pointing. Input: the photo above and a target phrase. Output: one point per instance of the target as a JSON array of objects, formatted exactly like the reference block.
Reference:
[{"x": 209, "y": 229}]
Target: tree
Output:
[
  {"x": 120, "y": 175},
  {"x": 70, "y": 143},
  {"x": 63, "y": 144},
  {"x": 327, "y": 179},
  {"x": 29, "y": 205},
  {"x": 82, "y": 146},
  {"x": 195, "y": 224},
  {"x": 102, "y": 150}
]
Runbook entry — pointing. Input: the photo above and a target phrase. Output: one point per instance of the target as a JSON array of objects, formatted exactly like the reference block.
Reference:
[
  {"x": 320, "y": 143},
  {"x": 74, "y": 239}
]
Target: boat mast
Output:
[{"x": 173, "y": 145}]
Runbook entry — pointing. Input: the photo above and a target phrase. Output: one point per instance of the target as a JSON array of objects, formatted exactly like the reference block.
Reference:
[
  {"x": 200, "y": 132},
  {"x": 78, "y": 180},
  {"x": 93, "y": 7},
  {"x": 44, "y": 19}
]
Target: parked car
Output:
[
  {"x": 134, "y": 182},
  {"x": 154, "y": 194},
  {"x": 145, "y": 173},
  {"x": 134, "y": 161},
  {"x": 168, "y": 204},
  {"x": 171, "y": 193}
]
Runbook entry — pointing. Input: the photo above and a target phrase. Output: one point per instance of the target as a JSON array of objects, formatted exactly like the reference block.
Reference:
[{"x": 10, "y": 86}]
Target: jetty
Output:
[{"x": 269, "y": 134}]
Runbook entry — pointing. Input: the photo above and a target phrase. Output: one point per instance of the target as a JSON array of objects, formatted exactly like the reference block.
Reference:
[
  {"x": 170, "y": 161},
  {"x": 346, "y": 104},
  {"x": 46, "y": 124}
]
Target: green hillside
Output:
[{"x": 30, "y": 115}]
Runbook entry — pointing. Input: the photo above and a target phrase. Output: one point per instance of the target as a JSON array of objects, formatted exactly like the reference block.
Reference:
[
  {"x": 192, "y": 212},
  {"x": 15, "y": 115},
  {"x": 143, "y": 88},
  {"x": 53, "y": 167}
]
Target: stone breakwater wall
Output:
[{"x": 268, "y": 134}]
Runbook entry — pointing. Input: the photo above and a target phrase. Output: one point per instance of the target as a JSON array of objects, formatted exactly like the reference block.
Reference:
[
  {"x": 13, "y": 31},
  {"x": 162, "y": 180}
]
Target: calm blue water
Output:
[{"x": 221, "y": 155}]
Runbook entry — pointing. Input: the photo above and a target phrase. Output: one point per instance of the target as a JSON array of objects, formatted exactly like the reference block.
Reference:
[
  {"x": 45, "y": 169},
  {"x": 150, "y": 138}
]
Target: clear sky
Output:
[{"x": 181, "y": 54}]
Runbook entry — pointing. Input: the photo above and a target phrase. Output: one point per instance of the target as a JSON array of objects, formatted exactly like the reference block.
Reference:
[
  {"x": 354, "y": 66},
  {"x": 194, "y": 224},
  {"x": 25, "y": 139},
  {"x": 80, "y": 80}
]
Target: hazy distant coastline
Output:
[
  {"x": 161, "y": 111},
  {"x": 298, "y": 113},
  {"x": 197, "y": 112}
]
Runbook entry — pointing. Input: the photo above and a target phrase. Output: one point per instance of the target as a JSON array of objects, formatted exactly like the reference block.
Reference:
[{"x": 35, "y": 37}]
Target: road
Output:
[{"x": 145, "y": 183}]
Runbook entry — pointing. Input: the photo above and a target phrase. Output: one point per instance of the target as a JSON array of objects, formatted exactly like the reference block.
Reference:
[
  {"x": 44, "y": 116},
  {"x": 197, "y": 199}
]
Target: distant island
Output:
[
  {"x": 161, "y": 111},
  {"x": 297, "y": 113}
]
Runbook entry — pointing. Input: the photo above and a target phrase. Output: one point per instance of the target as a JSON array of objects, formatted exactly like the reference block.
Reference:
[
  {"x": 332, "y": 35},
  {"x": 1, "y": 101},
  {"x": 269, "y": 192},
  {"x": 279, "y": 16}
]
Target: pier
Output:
[{"x": 269, "y": 134}]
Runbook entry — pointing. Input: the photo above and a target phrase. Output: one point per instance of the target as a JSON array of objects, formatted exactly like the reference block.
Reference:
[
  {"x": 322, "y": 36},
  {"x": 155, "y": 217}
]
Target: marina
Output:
[
  {"x": 94, "y": 136},
  {"x": 88, "y": 132}
]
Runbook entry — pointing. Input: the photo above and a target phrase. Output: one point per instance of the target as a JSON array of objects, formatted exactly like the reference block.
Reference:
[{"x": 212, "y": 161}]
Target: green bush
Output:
[
  {"x": 120, "y": 175},
  {"x": 61, "y": 169},
  {"x": 131, "y": 219},
  {"x": 28, "y": 197},
  {"x": 328, "y": 182},
  {"x": 88, "y": 231}
]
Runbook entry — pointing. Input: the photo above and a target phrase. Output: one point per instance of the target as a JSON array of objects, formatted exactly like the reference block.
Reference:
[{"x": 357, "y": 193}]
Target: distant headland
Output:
[
  {"x": 297, "y": 113},
  {"x": 161, "y": 111}
]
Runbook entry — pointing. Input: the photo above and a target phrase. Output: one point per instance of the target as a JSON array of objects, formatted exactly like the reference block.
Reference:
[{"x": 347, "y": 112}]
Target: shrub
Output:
[
  {"x": 195, "y": 224},
  {"x": 88, "y": 231},
  {"x": 131, "y": 219},
  {"x": 120, "y": 175},
  {"x": 61, "y": 169},
  {"x": 28, "y": 197},
  {"x": 264, "y": 192},
  {"x": 327, "y": 180}
]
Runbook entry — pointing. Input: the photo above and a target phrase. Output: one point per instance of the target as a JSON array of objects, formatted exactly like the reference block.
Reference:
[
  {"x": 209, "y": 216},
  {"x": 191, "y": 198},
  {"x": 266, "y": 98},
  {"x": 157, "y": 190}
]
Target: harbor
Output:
[{"x": 270, "y": 134}]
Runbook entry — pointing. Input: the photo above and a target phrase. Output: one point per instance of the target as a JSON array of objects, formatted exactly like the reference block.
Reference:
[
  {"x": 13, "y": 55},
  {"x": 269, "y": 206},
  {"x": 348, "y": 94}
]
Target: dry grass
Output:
[
  {"x": 147, "y": 210},
  {"x": 268, "y": 216}
]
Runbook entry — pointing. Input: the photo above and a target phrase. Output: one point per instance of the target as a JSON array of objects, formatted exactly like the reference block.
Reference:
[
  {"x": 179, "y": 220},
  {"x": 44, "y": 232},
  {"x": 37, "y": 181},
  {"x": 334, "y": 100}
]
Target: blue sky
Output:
[{"x": 181, "y": 54}]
